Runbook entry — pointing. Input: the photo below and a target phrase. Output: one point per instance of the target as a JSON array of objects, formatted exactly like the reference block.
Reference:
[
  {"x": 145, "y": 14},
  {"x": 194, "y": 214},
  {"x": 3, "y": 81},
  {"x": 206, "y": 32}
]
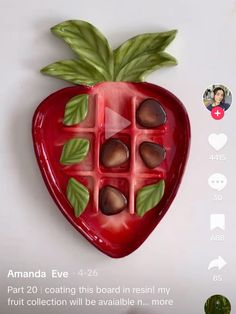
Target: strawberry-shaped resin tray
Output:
[{"x": 112, "y": 150}]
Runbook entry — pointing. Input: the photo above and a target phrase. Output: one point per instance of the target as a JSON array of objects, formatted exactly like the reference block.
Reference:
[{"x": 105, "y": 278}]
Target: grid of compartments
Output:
[{"x": 129, "y": 177}]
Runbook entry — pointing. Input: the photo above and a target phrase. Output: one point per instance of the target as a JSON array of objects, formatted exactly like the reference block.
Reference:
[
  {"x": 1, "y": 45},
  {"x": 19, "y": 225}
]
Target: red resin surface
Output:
[{"x": 120, "y": 234}]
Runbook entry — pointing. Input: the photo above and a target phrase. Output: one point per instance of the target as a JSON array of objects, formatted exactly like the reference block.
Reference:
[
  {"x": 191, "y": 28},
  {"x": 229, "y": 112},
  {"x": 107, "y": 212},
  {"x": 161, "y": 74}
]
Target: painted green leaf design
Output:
[
  {"x": 77, "y": 195},
  {"x": 150, "y": 43},
  {"x": 74, "y": 151},
  {"x": 76, "y": 110},
  {"x": 138, "y": 68},
  {"x": 149, "y": 196},
  {"x": 74, "y": 71},
  {"x": 96, "y": 62},
  {"x": 88, "y": 43},
  {"x": 217, "y": 304}
]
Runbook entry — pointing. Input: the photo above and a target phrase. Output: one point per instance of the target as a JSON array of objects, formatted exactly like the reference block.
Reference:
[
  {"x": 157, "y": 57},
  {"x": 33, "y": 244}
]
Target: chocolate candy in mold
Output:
[
  {"x": 114, "y": 153},
  {"x": 150, "y": 114},
  {"x": 152, "y": 154},
  {"x": 111, "y": 200}
]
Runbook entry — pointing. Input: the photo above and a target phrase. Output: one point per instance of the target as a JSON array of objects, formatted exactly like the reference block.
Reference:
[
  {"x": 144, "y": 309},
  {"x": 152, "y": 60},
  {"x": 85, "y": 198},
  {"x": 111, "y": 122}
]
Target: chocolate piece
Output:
[
  {"x": 152, "y": 154},
  {"x": 150, "y": 114},
  {"x": 111, "y": 200},
  {"x": 114, "y": 153}
]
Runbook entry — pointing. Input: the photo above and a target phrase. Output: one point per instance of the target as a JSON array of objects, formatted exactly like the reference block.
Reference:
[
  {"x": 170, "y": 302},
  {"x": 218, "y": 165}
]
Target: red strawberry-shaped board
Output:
[{"x": 112, "y": 149}]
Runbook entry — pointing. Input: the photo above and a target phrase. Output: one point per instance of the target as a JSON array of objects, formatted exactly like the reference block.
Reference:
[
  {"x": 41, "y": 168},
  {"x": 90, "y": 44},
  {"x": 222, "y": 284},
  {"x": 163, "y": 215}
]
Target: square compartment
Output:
[
  {"x": 116, "y": 105},
  {"x": 89, "y": 121},
  {"x": 140, "y": 166},
  {"x": 120, "y": 184},
  {"x": 161, "y": 128},
  {"x": 88, "y": 182},
  {"x": 86, "y": 165},
  {"x": 141, "y": 183},
  {"x": 125, "y": 138}
]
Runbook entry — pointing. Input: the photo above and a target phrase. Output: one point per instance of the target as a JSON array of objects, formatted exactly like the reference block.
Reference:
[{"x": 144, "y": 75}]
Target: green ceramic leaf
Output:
[
  {"x": 96, "y": 62},
  {"x": 76, "y": 110},
  {"x": 74, "y": 151},
  {"x": 77, "y": 195},
  {"x": 141, "y": 45},
  {"x": 88, "y": 43},
  {"x": 74, "y": 71},
  {"x": 149, "y": 196},
  {"x": 138, "y": 68},
  {"x": 217, "y": 304}
]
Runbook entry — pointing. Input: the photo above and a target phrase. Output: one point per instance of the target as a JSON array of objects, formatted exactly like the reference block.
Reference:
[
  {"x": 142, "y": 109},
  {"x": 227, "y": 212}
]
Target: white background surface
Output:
[{"x": 35, "y": 235}]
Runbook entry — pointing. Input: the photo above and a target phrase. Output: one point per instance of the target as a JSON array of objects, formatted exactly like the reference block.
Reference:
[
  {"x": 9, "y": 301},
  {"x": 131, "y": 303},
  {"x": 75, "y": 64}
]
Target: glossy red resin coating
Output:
[{"x": 120, "y": 234}]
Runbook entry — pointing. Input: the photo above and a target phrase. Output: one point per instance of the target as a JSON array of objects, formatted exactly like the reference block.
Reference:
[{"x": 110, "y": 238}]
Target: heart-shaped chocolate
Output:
[
  {"x": 111, "y": 200},
  {"x": 152, "y": 154},
  {"x": 114, "y": 153},
  {"x": 150, "y": 114}
]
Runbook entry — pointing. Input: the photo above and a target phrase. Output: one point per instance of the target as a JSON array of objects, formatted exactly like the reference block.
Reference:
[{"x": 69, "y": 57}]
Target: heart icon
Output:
[{"x": 217, "y": 141}]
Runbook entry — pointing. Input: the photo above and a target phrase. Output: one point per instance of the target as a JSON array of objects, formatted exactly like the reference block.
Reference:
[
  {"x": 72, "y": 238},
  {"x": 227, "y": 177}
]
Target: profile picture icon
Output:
[
  {"x": 217, "y": 304},
  {"x": 217, "y": 99}
]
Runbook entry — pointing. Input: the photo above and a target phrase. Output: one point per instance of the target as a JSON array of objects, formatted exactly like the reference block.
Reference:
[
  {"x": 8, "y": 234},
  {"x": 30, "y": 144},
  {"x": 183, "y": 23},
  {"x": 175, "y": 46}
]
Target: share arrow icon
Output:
[{"x": 217, "y": 263}]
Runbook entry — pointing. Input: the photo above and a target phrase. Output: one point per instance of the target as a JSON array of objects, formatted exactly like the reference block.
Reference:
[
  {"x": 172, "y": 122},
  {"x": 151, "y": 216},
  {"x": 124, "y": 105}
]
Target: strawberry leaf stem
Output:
[
  {"x": 74, "y": 71},
  {"x": 96, "y": 62},
  {"x": 88, "y": 43},
  {"x": 137, "y": 69},
  {"x": 139, "y": 46}
]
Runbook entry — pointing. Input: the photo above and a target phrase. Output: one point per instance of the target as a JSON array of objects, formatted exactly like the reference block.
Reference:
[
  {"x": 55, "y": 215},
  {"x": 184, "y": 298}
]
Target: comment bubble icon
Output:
[{"x": 217, "y": 181}]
